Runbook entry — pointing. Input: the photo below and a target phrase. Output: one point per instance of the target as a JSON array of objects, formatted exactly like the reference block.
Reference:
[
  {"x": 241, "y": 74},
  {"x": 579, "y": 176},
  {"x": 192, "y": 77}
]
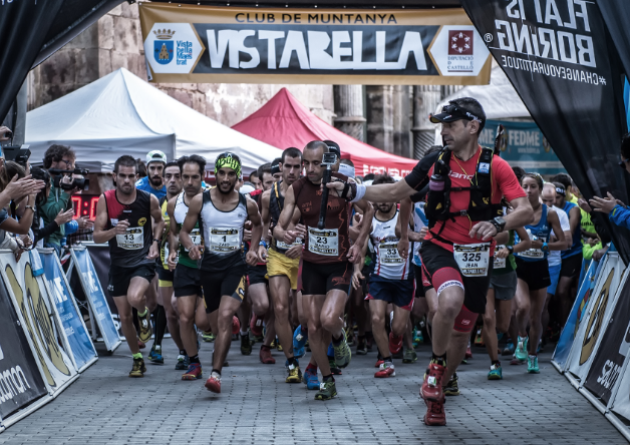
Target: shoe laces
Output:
[{"x": 216, "y": 377}]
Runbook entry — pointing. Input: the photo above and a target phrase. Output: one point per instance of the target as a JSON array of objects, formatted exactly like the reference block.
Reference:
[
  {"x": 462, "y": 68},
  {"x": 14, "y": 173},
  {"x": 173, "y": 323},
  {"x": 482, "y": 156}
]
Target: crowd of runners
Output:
[{"x": 463, "y": 238}]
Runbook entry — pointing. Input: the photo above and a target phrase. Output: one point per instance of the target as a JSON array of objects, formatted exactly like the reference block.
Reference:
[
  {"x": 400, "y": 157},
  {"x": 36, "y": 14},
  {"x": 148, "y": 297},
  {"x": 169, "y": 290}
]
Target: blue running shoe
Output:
[
  {"x": 156, "y": 355},
  {"x": 299, "y": 342},
  {"x": 310, "y": 379}
]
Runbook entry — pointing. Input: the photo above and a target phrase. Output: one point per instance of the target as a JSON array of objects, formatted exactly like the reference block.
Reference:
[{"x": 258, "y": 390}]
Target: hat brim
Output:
[{"x": 443, "y": 117}]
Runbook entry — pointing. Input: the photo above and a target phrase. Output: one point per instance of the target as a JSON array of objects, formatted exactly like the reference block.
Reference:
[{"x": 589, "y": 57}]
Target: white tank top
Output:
[
  {"x": 388, "y": 263},
  {"x": 223, "y": 231}
]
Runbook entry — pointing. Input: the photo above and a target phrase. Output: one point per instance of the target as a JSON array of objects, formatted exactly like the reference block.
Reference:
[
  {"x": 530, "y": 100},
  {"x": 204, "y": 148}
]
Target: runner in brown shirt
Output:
[{"x": 326, "y": 270}]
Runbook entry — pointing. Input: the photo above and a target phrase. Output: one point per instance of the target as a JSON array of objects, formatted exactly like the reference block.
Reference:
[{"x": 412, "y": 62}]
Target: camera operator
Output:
[{"x": 61, "y": 157}]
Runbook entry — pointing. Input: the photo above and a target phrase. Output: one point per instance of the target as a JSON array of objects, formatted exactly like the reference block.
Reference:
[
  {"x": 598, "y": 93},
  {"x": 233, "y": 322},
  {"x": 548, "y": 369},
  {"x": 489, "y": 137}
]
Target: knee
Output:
[
  {"x": 126, "y": 317},
  {"x": 329, "y": 323},
  {"x": 281, "y": 309},
  {"x": 488, "y": 321},
  {"x": 260, "y": 307},
  {"x": 399, "y": 328},
  {"x": 449, "y": 311}
]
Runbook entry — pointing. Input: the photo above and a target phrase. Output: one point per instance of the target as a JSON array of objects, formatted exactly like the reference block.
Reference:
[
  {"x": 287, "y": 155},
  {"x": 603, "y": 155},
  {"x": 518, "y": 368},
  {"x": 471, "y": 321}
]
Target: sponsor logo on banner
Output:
[
  {"x": 176, "y": 48},
  {"x": 593, "y": 328},
  {"x": 456, "y": 51},
  {"x": 12, "y": 382},
  {"x": 609, "y": 374}
]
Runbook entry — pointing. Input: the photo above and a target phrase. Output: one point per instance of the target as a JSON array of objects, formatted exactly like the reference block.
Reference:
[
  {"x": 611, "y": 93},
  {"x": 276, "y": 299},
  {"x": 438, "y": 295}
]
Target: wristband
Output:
[
  {"x": 263, "y": 243},
  {"x": 360, "y": 192},
  {"x": 510, "y": 249},
  {"x": 545, "y": 247},
  {"x": 155, "y": 240}
]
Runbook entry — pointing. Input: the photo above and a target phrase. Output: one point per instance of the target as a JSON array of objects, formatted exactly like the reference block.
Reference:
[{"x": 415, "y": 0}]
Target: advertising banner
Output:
[
  {"x": 38, "y": 315},
  {"x": 613, "y": 350},
  {"x": 21, "y": 382},
  {"x": 96, "y": 297},
  {"x": 567, "y": 336},
  {"x": 596, "y": 317},
  {"x": 563, "y": 64},
  {"x": 189, "y": 43},
  {"x": 79, "y": 340},
  {"x": 523, "y": 145}
]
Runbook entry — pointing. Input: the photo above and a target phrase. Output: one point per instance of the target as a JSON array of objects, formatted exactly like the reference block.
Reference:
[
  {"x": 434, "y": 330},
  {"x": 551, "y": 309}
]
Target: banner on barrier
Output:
[
  {"x": 96, "y": 297},
  {"x": 567, "y": 336},
  {"x": 189, "y": 43},
  {"x": 596, "y": 317},
  {"x": 38, "y": 316},
  {"x": 79, "y": 340},
  {"x": 21, "y": 382},
  {"x": 613, "y": 349}
]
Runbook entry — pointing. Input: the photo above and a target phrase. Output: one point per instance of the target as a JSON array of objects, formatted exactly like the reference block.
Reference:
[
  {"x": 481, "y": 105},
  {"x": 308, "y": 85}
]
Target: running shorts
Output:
[
  {"x": 230, "y": 282},
  {"x": 398, "y": 292},
  {"x": 257, "y": 274},
  {"x": 120, "y": 277},
  {"x": 465, "y": 321},
  {"x": 571, "y": 266},
  {"x": 504, "y": 285},
  {"x": 187, "y": 281},
  {"x": 165, "y": 276},
  {"x": 534, "y": 273},
  {"x": 421, "y": 291},
  {"x": 279, "y": 265},
  {"x": 440, "y": 270},
  {"x": 319, "y": 279},
  {"x": 554, "y": 275}
]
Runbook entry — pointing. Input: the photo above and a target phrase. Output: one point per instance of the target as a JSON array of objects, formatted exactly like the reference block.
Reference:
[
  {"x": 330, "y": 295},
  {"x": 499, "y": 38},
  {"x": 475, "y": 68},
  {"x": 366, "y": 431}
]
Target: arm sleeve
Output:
[
  {"x": 620, "y": 216},
  {"x": 419, "y": 176}
]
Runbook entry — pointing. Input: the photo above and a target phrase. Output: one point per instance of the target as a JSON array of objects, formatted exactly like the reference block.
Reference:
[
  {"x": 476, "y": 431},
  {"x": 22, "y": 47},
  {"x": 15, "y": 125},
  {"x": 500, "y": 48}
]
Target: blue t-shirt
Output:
[{"x": 144, "y": 185}]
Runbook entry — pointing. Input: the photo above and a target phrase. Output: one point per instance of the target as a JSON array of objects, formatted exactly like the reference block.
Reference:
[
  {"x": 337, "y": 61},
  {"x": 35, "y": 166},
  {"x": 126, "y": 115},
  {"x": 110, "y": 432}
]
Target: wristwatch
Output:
[
  {"x": 155, "y": 240},
  {"x": 498, "y": 223},
  {"x": 510, "y": 249}
]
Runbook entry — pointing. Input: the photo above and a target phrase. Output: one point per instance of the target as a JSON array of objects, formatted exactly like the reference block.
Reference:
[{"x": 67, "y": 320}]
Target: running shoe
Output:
[
  {"x": 193, "y": 373},
  {"x": 379, "y": 362},
  {"x": 309, "y": 378},
  {"x": 431, "y": 388},
  {"x": 532, "y": 365},
  {"x": 479, "y": 339},
  {"x": 327, "y": 391},
  {"x": 395, "y": 343},
  {"x": 361, "y": 346},
  {"x": 452, "y": 387},
  {"x": 299, "y": 339},
  {"x": 509, "y": 349},
  {"x": 236, "y": 325},
  {"x": 385, "y": 370},
  {"x": 265, "y": 355},
  {"x": 334, "y": 368},
  {"x": 516, "y": 361},
  {"x": 144, "y": 324},
  {"x": 496, "y": 373},
  {"x": 208, "y": 336},
  {"x": 214, "y": 383},
  {"x": 295, "y": 375},
  {"x": 435, "y": 415},
  {"x": 343, "y": 353},
  {"x": 410, "y": 356},
  {"x": 256, "y": 325},
  {"x": 246, "y": 346},
  {"x": 141, "y": 344},
  {"x": 138, "y": 368},
  {"x": 418, "y": 338},
  {"x": 182, "y": 363},
  {"x": 156, "y": 355},
  {"x": 521, "y": 348}
]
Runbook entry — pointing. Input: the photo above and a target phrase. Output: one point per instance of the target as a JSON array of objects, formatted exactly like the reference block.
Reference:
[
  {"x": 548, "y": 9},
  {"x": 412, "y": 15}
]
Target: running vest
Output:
[
  {"x": 576, "y": 245},
  {"x": 130, "y": 249},
  {"x": 179, "y": 212},
  {"x": 420, "y": 221},
  {"x": 223, "y": 233},
  {"x": 389, "y": 264},
  {"x": 540, "y": 231},
  {"x": 276, "y": 204}
]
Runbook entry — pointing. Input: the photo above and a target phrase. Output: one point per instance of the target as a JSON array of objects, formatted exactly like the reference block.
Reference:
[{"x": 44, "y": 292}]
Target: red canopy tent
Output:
[{"x": 284, "y": 122}]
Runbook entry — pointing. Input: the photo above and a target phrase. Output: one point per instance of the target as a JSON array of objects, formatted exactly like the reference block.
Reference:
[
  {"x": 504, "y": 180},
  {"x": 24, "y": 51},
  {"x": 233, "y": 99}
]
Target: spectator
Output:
[
  {"x": 40, "y": 230},
  {"x": 142, "y": 168}
]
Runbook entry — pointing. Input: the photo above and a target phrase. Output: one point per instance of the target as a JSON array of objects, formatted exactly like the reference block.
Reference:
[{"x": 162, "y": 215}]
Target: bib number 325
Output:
[{"x": 473, "y": 259}]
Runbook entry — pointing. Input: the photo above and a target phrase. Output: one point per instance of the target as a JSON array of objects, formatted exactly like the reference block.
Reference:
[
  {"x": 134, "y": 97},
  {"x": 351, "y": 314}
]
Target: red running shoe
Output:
[
  {"x": 431, "y": 389},
  {"x": 265, "y": 356},
  {"x": 395, "y": 343},
  {"x": 379, "y": 362},
  {"x": 435, "y": 415},
  {"x": 214, "y": 383},
  {"x": 256, "y": 326},
  {"x": 385, "y": 370},
  {"x": 236, "y": 325}
]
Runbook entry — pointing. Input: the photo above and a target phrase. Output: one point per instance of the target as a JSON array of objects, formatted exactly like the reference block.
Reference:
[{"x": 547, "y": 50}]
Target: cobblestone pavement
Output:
[{"x": 256, "y": 406}]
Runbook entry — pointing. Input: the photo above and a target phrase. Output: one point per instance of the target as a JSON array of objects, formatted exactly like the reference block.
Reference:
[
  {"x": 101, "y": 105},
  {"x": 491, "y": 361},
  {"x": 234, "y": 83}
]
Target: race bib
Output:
[
  {"x": 195, "y": 236},
  {"x": 132, "y": 239},
  {"x": 223, "y": 241},
  {"x": 473, "y": 259},
  {"x": 534, "y": 254},
  {"x": 388, "y": 253},
  {"x": 499, "y": 263},
  {"x": 323, "y": 242},
  {"x": 281, "y": 245}
]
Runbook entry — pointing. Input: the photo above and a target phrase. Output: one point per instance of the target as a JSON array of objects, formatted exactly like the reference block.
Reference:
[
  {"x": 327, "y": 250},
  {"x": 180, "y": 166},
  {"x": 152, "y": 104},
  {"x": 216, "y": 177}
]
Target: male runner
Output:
[
  {"x": 154, "y": 181},
  {"x": 283, "y": 260},
  {"x": 186, "y": 278},
  {"x": 123, "y": 219},
  {"x": 276, "y": 169},
  {"x": 222, "y": 212},
  {"x": 326, "y": 272},
  {"x": 456, "y": 253}
]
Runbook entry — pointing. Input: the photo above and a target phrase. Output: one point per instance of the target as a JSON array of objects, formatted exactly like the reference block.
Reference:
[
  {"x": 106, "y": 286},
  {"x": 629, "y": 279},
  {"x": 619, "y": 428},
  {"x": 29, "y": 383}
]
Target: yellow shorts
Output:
[{"x": 279, "y": 265}]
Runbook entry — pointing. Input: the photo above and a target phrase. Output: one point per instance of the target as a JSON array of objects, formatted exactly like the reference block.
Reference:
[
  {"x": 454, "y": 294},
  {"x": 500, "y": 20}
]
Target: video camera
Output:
[
  {"x": 80, "y": 183},
  {"x": 17, "y": 153},
  {"x": 329, "y": 159}
]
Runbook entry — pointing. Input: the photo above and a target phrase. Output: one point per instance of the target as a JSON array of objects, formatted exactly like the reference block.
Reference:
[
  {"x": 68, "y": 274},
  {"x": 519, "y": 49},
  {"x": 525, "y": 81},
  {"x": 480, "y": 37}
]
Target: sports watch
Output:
[{"x": 498, "y": 223}]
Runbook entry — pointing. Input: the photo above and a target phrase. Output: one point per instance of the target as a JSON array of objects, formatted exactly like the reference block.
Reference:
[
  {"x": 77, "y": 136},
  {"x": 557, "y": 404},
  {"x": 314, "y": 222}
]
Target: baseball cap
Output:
[
  {"x": 156, "y": 156},
  {"x": 454, "y": 112},
  {"x": 334, "y": 148}
]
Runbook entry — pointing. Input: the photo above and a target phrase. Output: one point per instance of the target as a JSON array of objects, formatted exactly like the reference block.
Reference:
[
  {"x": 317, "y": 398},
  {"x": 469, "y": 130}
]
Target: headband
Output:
[
  {"x": 560, "y": 191},
  {"x": 228, "y": 161}
]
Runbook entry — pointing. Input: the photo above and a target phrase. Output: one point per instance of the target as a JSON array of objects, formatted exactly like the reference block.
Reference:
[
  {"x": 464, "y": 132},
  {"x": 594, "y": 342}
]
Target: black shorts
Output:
[
  {"x": 319, "y": 279},
  {"x": 164, "y": 275},
  {"x": 571, "y": 266},
  {"x": 421, "y": 290},
  {"x": 187, "y": 281},
  {"x": 257, "y": 274},
  {"x": 398, "y": 292},
  {"x": 534, "y": 273},
  {"x": 365, "y": 282},
  {"x": 440, "y": 270},
  {"x": 120, "y": 277},
  {"x": 216, "y": 284}
]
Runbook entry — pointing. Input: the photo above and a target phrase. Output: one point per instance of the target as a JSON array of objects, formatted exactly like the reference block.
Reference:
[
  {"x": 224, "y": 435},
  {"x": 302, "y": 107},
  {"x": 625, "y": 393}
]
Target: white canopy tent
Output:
[{"x": 122, "y": 114}]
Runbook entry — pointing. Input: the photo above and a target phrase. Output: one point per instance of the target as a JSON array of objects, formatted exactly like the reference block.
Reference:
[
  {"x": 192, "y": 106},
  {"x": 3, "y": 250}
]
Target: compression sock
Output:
[
  {"x": 328, "y": 378},
  {"x": 194, "y": 359},
  {"x": 159, "y": 315},
  {"x": 137, "y": 356},
  {"x": 439, "y": 359}
]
